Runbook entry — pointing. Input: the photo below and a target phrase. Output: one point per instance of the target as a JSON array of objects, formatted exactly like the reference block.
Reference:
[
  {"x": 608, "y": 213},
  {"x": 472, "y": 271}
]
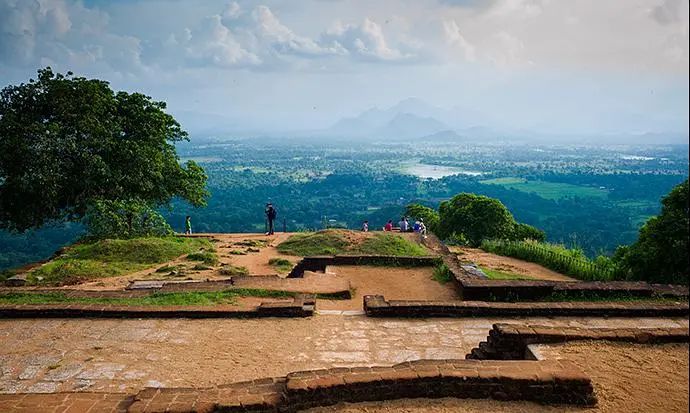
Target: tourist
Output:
[
  {"x": 388, "y": 226},
  {"x": 188, "y": 225},
  {"x": 415, "y": 227},
  {"x": 404, "y": 225},
  {"x": 271, "y": 213},
  {"x": 422, "y": 228},
  {"x": 365, "y": 226}
]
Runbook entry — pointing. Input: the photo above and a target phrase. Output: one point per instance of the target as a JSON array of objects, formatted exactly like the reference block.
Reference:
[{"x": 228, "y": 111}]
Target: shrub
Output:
[
  {"x": 525, "y": 232},
  {"x": 443, "y": 274},
  {"x": 124, "y": 220}
]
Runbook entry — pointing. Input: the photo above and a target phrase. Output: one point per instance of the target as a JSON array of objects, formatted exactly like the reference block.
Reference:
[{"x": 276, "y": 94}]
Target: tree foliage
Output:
[
  {"x": 430, "y": 217},
  {"x": 661, "y": 252},
  {"x": 124, "y": 219},
  {"x": 477, "y": 217},
  {"x": 66, "y": 142},
  {"x": 524, "y": 232}
]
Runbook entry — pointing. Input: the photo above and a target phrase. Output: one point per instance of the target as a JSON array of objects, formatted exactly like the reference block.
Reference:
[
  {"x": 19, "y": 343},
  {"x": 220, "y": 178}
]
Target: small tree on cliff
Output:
[
  {"x": 68, "y": 143},
  {"x": 661, "y": 252}
]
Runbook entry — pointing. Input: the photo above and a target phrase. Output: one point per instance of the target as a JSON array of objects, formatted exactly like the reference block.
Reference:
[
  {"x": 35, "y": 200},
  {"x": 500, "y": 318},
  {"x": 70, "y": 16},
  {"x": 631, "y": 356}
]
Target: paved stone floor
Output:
[{"x": 52, "y": 355}]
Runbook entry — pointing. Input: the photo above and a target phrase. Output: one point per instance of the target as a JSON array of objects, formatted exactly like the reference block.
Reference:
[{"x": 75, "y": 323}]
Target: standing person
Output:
[
  {"x": 404, "y": 225},
  {"x": 188, "y": 225},
  {"x": 422, "y": 228},
  {"x": 389, "y": 225},
  {"x": 365, "y": 226},
  {"x": 271, "y": 216}
]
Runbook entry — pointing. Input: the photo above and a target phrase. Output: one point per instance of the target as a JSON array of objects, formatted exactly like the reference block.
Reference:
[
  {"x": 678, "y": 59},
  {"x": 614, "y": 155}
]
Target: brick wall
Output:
[
  {"x": 378, "y": 306},
  {"x": 510, "y": 341}
]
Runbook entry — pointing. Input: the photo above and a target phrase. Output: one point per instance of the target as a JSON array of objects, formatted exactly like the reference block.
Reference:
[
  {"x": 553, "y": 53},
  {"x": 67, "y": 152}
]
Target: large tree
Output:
[
  {"x": 67, "y": 142},
  {"x": 475, "y": 217},
  {"x": 661, "y": 252}
]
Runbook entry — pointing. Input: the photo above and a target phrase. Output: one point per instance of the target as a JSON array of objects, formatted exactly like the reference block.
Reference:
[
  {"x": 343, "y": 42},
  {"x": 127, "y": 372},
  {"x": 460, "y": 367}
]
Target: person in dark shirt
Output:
[{"x": 271, "y": 214}]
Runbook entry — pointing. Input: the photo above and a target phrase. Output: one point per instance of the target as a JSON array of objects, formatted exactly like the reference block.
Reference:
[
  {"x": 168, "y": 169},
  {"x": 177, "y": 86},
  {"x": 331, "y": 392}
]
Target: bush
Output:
[
  {"x": 443, "y": 274},
  {"x": 525, "y": 232},
  {"x": 124, "y": 220}
]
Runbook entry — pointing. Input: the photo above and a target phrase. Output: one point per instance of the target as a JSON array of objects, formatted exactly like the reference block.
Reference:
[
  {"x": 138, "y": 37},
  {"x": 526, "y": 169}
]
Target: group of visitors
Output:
[
  {"x": 403, "y": 226},
  {"x": 271, "y": 213}
]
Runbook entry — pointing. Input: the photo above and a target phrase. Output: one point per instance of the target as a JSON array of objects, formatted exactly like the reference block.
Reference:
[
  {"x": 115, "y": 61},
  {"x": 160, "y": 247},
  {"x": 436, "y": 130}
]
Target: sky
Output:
[{"x": 551, "y": 66}]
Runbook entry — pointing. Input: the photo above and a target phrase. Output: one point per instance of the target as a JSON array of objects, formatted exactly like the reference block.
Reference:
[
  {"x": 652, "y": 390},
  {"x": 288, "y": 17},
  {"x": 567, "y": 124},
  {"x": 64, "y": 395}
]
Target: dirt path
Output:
[
  {"x": 391, "y": 282},
  {"x": 507, "y": 264},
  {"x": 51, "y": 355},
  {"x": 626, "y": 378}
]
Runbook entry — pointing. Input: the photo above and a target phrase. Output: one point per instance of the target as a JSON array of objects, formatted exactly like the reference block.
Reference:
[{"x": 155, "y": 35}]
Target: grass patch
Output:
[
  {"x": 502, "y": 275},
  {"x": 281, "y": 264},
  {"x": 232, "y": 270},
  {"x": 315, "y": 243},
  {"x": 442, "y": 274},
  {"x": 336, "y": 242},
  {"x": 237, "y": 252},
  {"x": 155, "y": 299},
  {"x": 389, "y": 244},
  {"x": 201, "y": 267},
  {"x": 207, "y": 257},
  {"x": 111, "y": 258}
]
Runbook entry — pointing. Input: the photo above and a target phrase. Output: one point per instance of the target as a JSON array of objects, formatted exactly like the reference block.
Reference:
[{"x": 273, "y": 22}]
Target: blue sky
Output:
[{"x": 554, "y": 66}]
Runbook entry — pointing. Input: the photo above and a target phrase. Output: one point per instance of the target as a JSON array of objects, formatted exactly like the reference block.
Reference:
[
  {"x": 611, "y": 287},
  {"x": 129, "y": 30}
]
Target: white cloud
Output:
[
  {"x": 365, "y": 41},
  {"x": 455, "y": 38},
  {"x": 213, "y": 43}
]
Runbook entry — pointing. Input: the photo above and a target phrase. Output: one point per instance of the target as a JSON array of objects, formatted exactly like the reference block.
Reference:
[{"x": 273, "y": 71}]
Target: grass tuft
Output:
[
  {"x": 443, "y": 274},
  {"x": 231, "y": 270}
]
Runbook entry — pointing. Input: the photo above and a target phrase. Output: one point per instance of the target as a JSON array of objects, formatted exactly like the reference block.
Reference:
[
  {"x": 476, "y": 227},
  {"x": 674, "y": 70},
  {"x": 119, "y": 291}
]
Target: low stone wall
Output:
[
  {"x": 378, "y": 306},
  {"x": 299, "y": 307},
  {"x": 319, "y": 263},
  {"x": 547, "y": 382},
  {"x": 511, "y": 341}
]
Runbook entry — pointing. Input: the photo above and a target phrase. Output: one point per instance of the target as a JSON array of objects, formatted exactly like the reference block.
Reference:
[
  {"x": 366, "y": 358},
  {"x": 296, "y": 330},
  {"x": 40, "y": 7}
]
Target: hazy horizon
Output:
[{"x": 545, "y": 66}]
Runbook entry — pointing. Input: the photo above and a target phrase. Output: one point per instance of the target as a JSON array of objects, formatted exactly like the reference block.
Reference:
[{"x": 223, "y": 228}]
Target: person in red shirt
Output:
[{"x": 389, "y": 225}]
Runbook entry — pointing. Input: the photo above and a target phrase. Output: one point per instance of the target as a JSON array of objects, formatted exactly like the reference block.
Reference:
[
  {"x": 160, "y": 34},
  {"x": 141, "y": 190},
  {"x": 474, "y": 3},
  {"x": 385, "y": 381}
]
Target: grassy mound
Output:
[
  {"x": 328, "y": 242},
  {"x": 389, "y": 244},
  {"x": 336, "y": 242},
  {"x": 502, "y": 275},
  {"x": 157, "y": 299},
  {"x": 110, "y": 258}
]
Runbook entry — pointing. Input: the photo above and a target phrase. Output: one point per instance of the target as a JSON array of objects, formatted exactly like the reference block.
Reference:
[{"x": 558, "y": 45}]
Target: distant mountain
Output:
[
  {"x": 407, "y": 126},
  {"x": 443, "y": 136},
  {"x": 410, "y": 118}
]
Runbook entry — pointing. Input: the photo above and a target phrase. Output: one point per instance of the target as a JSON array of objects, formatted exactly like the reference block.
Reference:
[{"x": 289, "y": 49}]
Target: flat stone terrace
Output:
[{"x": 110, "y": 355}]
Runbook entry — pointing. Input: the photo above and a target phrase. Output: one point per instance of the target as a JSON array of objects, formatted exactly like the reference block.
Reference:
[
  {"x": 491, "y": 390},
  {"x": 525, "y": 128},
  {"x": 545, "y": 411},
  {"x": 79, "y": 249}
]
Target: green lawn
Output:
[
  {"x": 158, "y": 299},
  {"x": 501, "y": 275},
  {"x": 335, "y": 242},
  {"x": 281, "y": 264},
  {"x": 548, "y": 190},
  {"x": 110, "y": 258}
]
